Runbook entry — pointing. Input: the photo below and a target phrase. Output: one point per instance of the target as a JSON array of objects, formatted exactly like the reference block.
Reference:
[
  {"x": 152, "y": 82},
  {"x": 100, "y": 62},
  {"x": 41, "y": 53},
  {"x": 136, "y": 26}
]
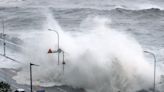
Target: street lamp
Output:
[
  {"x": 63, "y": 61},
  {"x": 4, "y": 44},
  {"x": 31, "y": 64},
  {"x": 58, "y": 50},
  {"x": 3, "y": 37},
  {"x": 154, "y": 67}
]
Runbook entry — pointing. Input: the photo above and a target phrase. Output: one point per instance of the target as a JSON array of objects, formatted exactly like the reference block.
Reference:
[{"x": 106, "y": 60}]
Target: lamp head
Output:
[{"x": 31, "y": 64}]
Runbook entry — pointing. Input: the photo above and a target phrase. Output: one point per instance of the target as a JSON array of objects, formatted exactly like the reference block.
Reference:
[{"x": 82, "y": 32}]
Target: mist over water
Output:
[{"x": 98, "y": 58}]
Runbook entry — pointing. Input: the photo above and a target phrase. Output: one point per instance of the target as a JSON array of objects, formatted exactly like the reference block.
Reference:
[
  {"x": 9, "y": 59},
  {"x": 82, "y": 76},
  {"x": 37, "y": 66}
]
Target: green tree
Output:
[{"x": 4, "y": 87}]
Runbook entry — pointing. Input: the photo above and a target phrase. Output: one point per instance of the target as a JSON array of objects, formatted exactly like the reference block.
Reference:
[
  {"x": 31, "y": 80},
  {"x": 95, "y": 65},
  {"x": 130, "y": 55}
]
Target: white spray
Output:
[{"x": 98, "y": 58}]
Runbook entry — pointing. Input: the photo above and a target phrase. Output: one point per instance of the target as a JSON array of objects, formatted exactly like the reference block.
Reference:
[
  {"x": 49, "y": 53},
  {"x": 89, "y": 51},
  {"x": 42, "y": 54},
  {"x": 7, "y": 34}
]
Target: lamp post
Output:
[
  {"x": 63, "y": 61},
  {"x": 58, "y": 50},
  {"x": 154, "y": 68},
  {"x": 4, "y": 35},
  {"x": 31, "y": 64},
  {"x": 4, "y": 43}
]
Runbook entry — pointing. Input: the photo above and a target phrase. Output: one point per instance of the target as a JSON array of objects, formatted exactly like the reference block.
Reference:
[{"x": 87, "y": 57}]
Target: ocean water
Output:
[{"x": 103, "y": 46}]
